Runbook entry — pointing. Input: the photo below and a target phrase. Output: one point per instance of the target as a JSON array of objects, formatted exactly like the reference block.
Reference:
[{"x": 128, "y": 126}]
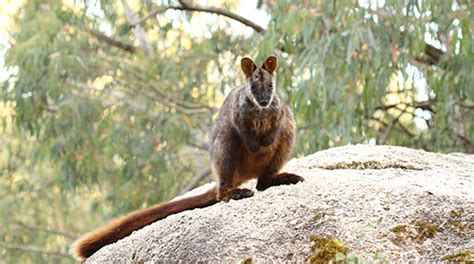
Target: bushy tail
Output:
[{"x": 121, "y": 227}]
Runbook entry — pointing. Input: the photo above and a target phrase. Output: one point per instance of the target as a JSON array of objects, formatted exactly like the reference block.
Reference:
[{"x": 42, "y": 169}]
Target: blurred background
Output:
[{"x": 106, "y": 106}]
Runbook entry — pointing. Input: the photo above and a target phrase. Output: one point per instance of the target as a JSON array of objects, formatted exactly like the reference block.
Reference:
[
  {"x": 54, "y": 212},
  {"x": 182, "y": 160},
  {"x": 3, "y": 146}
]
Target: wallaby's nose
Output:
[{"x": 264, "y": 103}]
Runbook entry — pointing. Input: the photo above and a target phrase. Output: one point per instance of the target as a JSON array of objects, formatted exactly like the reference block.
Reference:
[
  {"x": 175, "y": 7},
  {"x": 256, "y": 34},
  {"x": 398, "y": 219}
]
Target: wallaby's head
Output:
[{"x": 261, "y": 81}]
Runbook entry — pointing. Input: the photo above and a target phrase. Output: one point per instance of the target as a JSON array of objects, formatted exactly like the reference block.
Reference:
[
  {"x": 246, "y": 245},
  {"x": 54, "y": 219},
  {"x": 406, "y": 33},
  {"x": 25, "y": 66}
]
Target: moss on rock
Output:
[
  {"x": 246, "y": 261},
  {"x": 399, "y": 229},
  {"x": 425, "y": 230},
  {"x": 325, "y": 249},
  {"x": 461, "y": 257}
]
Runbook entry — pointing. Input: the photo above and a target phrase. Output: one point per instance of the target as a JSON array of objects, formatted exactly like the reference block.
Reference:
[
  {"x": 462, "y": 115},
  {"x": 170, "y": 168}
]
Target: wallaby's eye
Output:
[{"x": 256, "y": 78}]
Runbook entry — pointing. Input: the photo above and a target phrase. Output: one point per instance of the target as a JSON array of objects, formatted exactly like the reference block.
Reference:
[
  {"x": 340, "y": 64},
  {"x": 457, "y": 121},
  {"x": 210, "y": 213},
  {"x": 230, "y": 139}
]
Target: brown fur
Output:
[{"x": 252, "y": 138}]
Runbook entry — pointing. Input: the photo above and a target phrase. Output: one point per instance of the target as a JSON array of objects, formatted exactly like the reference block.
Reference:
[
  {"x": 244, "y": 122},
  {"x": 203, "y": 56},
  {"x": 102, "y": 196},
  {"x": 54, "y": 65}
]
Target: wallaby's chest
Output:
[
  {"x": 262, "y": 124},
  {"x": 257, "y": 120}
]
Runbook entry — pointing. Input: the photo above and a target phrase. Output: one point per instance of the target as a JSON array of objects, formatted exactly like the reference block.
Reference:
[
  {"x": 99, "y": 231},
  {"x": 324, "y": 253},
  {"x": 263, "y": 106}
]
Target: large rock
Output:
[{"x": 392, "y": 203}]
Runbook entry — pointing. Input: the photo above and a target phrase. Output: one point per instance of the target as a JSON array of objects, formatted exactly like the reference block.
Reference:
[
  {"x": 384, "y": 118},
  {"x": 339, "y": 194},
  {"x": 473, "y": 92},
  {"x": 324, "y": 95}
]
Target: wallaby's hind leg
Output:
[
  {"x": 225, "y": 163},
  {"x": 270, "y": 176},
  {"x": 225, "y": 170}
]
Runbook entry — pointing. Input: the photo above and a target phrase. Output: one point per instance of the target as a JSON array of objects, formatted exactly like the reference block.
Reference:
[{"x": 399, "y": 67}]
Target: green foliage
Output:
[{"x": 94, "y": 126}]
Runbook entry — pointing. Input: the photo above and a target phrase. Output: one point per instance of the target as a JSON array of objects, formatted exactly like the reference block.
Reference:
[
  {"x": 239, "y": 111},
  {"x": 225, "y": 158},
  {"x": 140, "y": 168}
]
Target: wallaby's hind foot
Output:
[{"x": 279, "y": 179}]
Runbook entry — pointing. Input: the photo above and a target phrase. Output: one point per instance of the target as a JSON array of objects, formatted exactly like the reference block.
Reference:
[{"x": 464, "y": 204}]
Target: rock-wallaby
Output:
[{"x": 253, "y": 137}]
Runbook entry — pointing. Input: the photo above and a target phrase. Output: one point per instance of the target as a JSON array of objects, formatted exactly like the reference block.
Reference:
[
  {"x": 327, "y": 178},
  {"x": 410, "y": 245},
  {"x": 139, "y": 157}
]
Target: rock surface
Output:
[{"x": 379, "y": 202}]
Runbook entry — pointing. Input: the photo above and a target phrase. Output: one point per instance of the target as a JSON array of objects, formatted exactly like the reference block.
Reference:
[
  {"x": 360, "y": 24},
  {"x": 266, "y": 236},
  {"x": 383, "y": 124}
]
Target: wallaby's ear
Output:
[
  {"x": 247, "y": 66},
  {"x": 270, "y": 64}
]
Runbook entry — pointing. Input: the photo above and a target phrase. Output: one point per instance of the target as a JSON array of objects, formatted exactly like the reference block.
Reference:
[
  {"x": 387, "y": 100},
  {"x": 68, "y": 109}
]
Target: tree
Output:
[{"x": 108, "y": 104}]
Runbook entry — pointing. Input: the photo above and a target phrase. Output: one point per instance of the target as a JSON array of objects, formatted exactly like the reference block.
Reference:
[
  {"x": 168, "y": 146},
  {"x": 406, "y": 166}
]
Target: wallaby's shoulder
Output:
[{"x": 234, "y": 97}]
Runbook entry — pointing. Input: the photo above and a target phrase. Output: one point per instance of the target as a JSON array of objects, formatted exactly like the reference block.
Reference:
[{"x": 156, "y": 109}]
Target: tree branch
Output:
[
  {"x": 155, "y": 94},
  {"x": 196, "y": 180},
  {"x": 432, "y": 55},
  {"x": 111, "y": 41},
  {"x": 33, "y": 249},
  {"x": 153, "y": 13},
  {"x": 467, "y": 106},
  {"x": 47, "y": 230},
  {"x": 467, "y": 143},
  {"x": 425, "y": 105},
  {"x": 219, "y": 11},
  {"x": 408, "y": 132},
  {"x": 205, "y": 146},
  {"x": 186, "y": 6},
  {"x": 131, "y": 18},
  {"x": 384, "y": 137}
]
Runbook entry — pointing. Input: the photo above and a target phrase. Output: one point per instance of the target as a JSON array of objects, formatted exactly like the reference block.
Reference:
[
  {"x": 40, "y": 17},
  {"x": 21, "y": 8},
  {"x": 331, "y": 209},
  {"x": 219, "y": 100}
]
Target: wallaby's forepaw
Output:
[
  {"x": 254, "y": 146},
  {"x": 238, "y": 194},
  {"x": 266, "y": 141}
]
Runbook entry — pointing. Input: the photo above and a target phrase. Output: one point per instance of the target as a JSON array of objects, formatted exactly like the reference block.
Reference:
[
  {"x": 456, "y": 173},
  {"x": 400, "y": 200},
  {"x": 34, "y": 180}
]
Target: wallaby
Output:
[
  {"x": 254, "y": 134},
  {"x": 253, "y": 137}
]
